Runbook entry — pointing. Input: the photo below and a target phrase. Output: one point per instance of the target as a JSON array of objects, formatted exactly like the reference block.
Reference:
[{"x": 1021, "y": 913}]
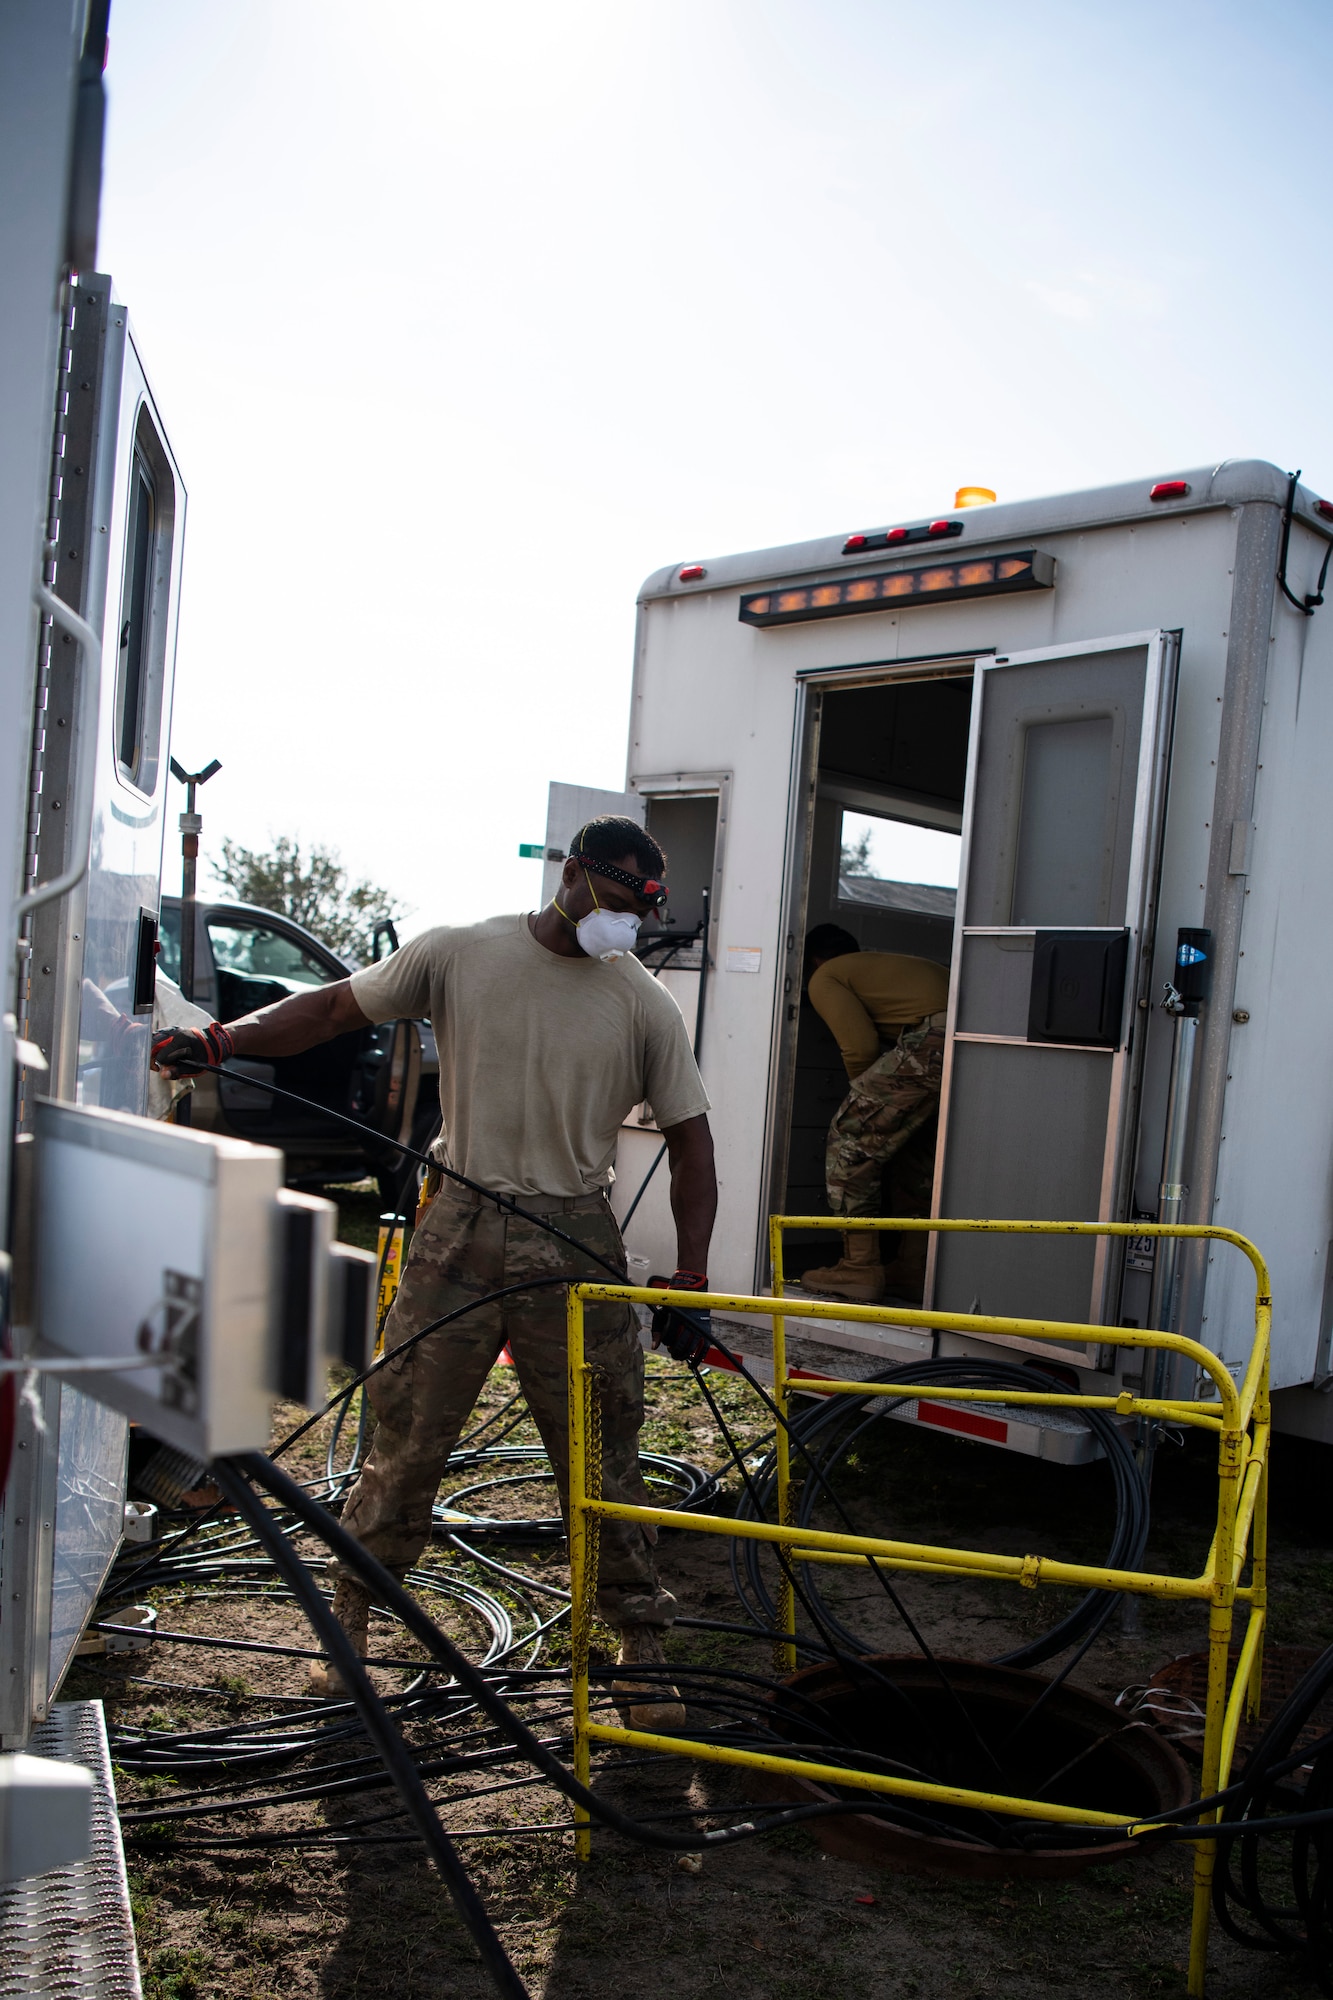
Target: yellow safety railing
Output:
[{"x": 1240, "y": 1416}]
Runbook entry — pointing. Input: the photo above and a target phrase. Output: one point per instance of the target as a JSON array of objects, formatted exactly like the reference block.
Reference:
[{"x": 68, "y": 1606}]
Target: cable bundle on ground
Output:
[
  {"x": 824, "y": 1435},
  {"x": 1273, "y": 1887}
]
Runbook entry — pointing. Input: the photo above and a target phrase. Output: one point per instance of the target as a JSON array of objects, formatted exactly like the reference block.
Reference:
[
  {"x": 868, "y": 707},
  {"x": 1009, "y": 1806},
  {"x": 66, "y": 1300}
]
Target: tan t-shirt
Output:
[
  {"x": 865, "y": 994},
  {"x": 541, "y": 1057}
]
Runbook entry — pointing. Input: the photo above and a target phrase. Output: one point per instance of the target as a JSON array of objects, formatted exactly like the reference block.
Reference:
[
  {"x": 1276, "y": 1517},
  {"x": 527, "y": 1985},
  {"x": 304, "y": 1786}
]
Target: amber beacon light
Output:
[
  {"x": 935, "y": 583},
  {"x": 974, "y": 496}
]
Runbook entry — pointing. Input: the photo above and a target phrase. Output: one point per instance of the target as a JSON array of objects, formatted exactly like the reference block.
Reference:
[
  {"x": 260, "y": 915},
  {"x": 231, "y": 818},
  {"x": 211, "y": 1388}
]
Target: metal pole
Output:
[
  {"x": 1193, "y": 950},
  {"x": 191, "y": 825},
  {"x": 784, "y": 1652},
  {"x": 703, "y": 977},
  {"x": 1172, "y": 1193},
  {"x": 580, "y": 1610},
  {"x": 1183, "y": 1001}
]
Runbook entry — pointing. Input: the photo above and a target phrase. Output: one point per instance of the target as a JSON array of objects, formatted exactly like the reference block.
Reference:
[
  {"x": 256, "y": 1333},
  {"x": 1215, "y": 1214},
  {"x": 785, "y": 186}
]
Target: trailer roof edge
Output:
[{"x": 1231, "y": 483}]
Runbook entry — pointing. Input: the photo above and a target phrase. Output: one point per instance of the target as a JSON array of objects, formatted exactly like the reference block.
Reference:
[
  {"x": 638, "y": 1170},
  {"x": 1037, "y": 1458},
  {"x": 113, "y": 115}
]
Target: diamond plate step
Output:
[{"x": 68, "y": 1935}]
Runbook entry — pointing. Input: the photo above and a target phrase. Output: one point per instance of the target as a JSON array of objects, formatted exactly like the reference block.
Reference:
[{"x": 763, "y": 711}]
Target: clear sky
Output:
[{"x": 465, "y": 318}]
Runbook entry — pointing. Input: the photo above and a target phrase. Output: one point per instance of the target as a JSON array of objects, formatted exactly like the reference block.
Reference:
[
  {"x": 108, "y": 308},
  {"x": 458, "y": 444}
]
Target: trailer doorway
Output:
[{"x": 883, "y": 844}]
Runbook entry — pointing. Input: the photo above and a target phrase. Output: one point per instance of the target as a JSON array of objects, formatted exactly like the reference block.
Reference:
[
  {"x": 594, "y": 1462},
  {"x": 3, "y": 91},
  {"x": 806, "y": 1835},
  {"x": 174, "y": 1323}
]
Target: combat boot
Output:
[
  {"x": 905, "y": 1276},
  {"x": 351, "y": 1608},
  {"x": 858, "y": 1276},
  {"x": 653, "y": 1704}
]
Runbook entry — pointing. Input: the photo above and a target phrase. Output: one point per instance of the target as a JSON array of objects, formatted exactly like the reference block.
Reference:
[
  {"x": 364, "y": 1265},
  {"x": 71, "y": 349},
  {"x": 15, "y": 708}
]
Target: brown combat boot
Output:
[
  {"x": 858, "y": 1276},
  {"x": 653, "y": 1704},
  {"x": 351, "y": 1608},
  {"x": 905, "y": 1276}
]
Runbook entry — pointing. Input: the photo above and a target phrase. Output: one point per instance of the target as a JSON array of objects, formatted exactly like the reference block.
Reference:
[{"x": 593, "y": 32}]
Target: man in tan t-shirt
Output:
[
  {"x": 549, "y": 1032},
  {"x": 869, "y": 998}
]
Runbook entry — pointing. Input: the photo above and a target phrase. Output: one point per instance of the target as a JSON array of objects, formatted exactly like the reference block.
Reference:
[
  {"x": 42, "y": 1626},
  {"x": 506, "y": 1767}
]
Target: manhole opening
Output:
[{"x": 977, "y": 1733}]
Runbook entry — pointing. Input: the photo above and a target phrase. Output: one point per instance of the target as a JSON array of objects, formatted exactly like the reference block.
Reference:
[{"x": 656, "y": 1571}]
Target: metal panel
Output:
[
  {"x": 69, "y": 1931},
  {"x": 126, "y": 871},
  {"x": 63, "y": 1519},
  {"x": 1010, "y": 1156},
  {"x": 801, "y": 793},
  {"x": 994, "y": 983},
  {"x": 570, "y": 807},
  {"x": 26, "y": 1541},
  {"x": 51, "y": 1017},
  {"x": 179, "y": 1243},
  {"x": 1062, "y": 829},
  {"x": 89, "y": 1517},
  {"x": 1055, "y": 787}
]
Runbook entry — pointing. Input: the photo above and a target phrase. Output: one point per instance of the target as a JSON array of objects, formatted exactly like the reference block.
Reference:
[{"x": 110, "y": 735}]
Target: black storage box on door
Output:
[{"x": 1078, "y": 987}]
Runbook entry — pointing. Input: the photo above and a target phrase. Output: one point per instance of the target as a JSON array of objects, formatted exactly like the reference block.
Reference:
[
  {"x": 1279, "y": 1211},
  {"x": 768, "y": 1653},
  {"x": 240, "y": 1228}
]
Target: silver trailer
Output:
[
  {"x": 1112, "y": 708},
  {"x": 163, "y": 1273}
]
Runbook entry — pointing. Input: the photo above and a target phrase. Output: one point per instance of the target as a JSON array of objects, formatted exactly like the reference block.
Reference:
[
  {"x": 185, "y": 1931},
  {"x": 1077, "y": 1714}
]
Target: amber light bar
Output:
[{"x": 937, "y": 583}]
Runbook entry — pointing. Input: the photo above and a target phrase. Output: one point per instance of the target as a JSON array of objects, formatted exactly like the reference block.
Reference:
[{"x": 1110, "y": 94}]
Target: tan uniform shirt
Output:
[
  {"x": 541, "y": 1057},
  {"x": 865, "y": 993}
]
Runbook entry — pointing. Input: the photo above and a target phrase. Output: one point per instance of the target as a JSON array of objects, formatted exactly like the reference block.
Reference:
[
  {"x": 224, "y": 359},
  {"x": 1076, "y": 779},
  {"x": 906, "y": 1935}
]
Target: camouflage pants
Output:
[
  {"x": 886, "y": 1105},
  {"x": 464, "y": 1248}
]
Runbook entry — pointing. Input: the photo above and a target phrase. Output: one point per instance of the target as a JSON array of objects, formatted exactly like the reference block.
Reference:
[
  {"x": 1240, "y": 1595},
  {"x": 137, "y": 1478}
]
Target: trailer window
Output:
[
  {"x": 145, "y": 592},
  {"x": 895, "y": 850}
]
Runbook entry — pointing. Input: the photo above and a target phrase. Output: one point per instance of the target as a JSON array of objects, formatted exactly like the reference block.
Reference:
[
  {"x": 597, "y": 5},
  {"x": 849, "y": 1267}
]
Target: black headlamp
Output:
[{"x": 645, "y": 887}]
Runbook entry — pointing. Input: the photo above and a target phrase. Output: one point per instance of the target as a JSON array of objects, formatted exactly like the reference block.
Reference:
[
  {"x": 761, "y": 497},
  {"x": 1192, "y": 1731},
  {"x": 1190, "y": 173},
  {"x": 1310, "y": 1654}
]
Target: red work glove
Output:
[
  {"x": 180, "y": 1051},
  {"x": 685, "y": 1334}
]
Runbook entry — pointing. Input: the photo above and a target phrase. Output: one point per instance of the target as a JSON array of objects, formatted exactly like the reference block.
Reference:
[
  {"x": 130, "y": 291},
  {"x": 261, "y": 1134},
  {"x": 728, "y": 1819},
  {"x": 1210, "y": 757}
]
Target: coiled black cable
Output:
[
  {"x": 1243, "y": 1887},
  {"x": 829, "y": 1431}
]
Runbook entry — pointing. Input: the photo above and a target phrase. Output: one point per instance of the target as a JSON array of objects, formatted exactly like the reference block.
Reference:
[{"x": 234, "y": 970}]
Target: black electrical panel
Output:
[
  {"x": 1194, "y": 967},
  {"x": 1078, "y": 987},
  {"x": 143, "y": 972}
]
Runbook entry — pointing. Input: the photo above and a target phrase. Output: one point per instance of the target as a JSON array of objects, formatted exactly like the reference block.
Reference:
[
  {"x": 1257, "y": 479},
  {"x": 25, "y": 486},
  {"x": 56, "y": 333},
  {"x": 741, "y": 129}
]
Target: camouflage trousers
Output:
[
  {"x": 464, "y": 1248},
  {"x": 886, "y": 1105}
]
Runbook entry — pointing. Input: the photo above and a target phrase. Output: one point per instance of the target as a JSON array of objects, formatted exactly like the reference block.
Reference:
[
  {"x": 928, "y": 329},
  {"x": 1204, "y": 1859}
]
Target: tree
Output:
[
  {"x": 312, "y": 889},
  {"x": 854, "y": 859}
]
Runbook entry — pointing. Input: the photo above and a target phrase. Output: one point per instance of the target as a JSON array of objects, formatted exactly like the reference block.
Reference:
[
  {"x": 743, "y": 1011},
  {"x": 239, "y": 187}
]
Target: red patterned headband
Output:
[{"x": 645, "y": 887}]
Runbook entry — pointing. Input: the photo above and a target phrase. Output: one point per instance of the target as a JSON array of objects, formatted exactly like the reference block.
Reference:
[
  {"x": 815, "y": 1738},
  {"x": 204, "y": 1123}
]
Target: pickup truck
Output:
[{"x": 387, "y": 1077}]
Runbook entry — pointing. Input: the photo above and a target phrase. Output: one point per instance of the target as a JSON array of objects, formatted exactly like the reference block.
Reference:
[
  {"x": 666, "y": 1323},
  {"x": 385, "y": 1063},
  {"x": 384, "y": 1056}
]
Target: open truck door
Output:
[{"x": 1062, "y": 832}]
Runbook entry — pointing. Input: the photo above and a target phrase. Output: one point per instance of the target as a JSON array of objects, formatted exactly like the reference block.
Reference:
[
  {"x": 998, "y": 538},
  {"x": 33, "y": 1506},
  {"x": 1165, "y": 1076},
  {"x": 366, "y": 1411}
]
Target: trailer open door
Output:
[{"x": 1052, "y": 953}]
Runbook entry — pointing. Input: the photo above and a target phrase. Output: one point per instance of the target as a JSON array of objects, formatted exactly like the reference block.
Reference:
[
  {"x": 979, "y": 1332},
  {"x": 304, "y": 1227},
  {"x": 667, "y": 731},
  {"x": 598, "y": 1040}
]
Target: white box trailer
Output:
[{"x": 1119, "y": 704}]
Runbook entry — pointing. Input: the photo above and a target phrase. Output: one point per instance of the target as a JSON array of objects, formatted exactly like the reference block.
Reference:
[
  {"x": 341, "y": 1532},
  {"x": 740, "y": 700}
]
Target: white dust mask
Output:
[{"x": 607, "y": 934}]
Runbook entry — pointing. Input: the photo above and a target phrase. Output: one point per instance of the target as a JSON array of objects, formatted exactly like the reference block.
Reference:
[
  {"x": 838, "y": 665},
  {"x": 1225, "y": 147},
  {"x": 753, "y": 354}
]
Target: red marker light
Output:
[
  {"x": 853, "y": 542},
  {"x": 692, "y": 573},
  {"x": 1324, "y": 507},
  {"x": 939, "y": 527},
  {"x": 896, "y": 535},
  {"x": 1170, "y": 489}
]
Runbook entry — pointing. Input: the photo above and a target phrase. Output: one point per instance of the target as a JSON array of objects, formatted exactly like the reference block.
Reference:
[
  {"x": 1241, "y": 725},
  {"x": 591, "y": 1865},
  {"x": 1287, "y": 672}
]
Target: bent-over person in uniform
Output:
[
  {"x": 887, "y": 1013},
  {"x": 549, "y": 1032}
]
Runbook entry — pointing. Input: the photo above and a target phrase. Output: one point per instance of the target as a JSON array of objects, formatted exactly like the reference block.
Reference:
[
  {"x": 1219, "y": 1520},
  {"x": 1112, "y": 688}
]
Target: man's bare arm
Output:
[
  {"x": 693, "y": 1190},
  {"x": 297, "y": 1023}
]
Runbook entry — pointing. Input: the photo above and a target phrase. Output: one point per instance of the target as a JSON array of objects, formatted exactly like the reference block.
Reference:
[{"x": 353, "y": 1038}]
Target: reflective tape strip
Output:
[{"x": 949, "y": 1417}]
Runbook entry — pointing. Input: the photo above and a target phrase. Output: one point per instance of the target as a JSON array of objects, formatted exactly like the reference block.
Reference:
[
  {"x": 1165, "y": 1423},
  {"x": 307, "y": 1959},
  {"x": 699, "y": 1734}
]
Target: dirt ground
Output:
[{"x": 771, "y": 1919}]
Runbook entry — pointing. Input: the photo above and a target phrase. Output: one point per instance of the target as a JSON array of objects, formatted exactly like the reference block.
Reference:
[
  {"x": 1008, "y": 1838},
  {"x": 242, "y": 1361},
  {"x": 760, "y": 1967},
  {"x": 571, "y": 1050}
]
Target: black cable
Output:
[
  {"x": 1308, "y": 605},
  {"x": 1265, "y": 1771},
  {"x": 505, "y": 1203},
  {"x": 386, "y": 1589},
  {"x": 379, "y": 1727},
  {"x": 828, "y": 1432},
  {"x": 857, "y": 1669}
]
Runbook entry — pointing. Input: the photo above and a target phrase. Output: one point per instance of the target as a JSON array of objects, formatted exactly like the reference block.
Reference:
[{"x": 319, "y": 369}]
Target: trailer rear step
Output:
[{"x": 69, "y": 1932}]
